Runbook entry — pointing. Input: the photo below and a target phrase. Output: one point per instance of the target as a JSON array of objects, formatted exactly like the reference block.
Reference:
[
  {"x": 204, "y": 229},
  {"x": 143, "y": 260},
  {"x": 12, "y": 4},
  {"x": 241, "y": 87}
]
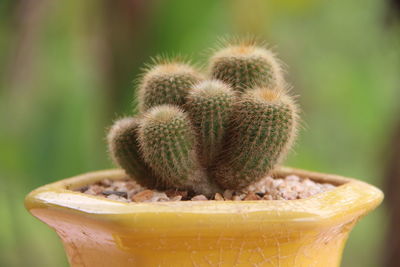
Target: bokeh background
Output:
[{"x": 67, "y": 71}]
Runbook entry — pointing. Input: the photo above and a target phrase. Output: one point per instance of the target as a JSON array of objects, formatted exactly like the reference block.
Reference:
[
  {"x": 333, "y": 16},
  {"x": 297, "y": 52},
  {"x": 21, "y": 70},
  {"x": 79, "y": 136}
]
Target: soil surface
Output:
[{"x": 288, "y": 188}]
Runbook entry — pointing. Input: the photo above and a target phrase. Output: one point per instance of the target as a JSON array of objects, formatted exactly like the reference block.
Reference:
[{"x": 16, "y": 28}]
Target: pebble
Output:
[
  {"x": 218, "y": 197},
  {"x": 252, "y": 196},
  {"x": 199, "y": 198},
  {"x": 116, "y": 197},
  {"x": 228, "y": 194},
  {"x": 143, "y": 196},
  {"x": 157, "y": 196},
  {"x": 236, "y": 198},
  {"x": 175, "y": 198},
  {"x": 118, "y": 193},
  {"x": 174, "y": 193}
]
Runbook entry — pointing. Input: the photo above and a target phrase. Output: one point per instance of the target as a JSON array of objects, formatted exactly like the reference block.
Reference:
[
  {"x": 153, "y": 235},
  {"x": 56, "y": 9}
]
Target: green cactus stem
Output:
[
  {"x": 124, "y": 150},
  {"x": 209, "y": 106},
  {"x": 205, "y": 136},
  {"x": 245, "y": 65},
  {"x": 262, "y": 130},
  {"x": 168, "y": 144},
  {"x": 168, "y": 82}
]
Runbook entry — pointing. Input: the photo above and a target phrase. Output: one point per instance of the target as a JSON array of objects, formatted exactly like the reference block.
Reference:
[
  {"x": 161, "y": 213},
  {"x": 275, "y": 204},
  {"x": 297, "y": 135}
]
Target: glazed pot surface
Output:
[{"x": 97, "y": 231}]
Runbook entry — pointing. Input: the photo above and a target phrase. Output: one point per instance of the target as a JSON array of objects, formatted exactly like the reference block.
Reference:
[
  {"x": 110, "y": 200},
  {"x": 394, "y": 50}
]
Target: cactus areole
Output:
[{"x": 208, "y": 133}]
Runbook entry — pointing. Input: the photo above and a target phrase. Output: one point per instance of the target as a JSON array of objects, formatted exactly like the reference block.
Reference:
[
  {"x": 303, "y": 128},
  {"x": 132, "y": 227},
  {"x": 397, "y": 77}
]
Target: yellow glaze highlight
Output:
[{"x": 100, "y": 232}]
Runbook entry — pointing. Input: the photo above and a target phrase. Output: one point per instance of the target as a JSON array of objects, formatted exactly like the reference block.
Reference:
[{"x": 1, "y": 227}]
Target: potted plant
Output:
[{"x": 200, "y": 183}]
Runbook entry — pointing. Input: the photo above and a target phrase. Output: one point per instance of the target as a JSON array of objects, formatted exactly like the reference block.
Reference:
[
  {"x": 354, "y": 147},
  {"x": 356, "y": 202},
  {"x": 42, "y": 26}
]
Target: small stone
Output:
[
  {"x": 228, "y": 194},
  {"x": 157, "y": 196},
  {"x": 106, "y": 182},
  {"x": 218, "y": 197},
  {"x": 289, "y": 195},
  {"x": 277, "y": 182},
  {"x": 268, "y": 197},
  {"x": 236, "y": 198},
  {"x": 176, "y": 198},
  {"x": 199, "y": 198},
  {"x": 116, "y": 197},
  {"x": 83, "y": 189},
  {"x": 94, "y": 190},
  {"x": 120, "y": 186},
  {"x": 174, "y": 193},
  {"x": 308, "y": 182},
  {"x": 298, "y": 188},
  {"x": 143, "y": 196},
  {"x": 252, "y": 196},
  {"x": 292, "y": 178},
  {"x": 129, "y": 185},
  {"x": 133, "y": 192},
  {"x": 118, "y": 193},
  {"x": 328, "y": 186}
]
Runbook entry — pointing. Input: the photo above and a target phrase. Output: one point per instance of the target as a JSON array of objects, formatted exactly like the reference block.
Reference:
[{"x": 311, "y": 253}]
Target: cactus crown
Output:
[
  {"x": 207, "y": 135},
  {"x": 167, "y": 81},
  {"x": 243, "y": 64}
]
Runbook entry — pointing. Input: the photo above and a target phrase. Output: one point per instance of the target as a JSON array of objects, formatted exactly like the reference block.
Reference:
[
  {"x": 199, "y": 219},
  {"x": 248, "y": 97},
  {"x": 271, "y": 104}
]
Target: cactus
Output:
[
  {"x": 209, "y": 106},
  {"x": 261, "y": 131},
  {"x": 167, "y": 82},
  {"x": 245, "y": 65},
  {"x": 205, "y": 136},
  {"x": 168, "y": 143},
  {"x": 124, "y": 149}
]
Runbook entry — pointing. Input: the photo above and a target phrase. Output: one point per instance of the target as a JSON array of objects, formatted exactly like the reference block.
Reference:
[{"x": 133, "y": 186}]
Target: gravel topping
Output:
[{"x": 288, "y": 188}]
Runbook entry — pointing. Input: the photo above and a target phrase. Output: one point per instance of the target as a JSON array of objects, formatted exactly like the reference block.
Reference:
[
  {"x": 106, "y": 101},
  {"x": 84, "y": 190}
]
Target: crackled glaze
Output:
[{"x": 101, "y": 232}]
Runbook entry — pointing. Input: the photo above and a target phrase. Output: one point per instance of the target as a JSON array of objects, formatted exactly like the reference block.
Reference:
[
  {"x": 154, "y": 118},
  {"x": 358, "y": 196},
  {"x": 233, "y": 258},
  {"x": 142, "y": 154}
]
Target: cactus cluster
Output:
[{"x": 208, "y": 133}]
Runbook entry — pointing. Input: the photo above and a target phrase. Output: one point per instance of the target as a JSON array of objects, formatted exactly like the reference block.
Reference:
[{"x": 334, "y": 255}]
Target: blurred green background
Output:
[{"x": 67, "y": 71}]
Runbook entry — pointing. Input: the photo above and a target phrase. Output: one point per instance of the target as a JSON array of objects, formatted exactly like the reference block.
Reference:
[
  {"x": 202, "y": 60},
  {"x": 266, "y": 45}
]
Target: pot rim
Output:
[{"x": 350, "y": 199}]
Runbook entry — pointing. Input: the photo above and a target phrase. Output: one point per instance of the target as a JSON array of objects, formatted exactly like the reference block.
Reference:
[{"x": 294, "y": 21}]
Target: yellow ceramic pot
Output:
[{"x": 99, "y": 232}]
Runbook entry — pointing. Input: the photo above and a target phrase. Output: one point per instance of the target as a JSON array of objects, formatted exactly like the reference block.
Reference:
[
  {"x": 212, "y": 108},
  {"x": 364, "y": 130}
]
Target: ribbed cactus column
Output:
[
  {"x": 124, "y": 149},
  {"x": 261, "y": 131},
  {"x": 245, "y": 66},
  {"x": 167, "y": 83},
  {"x": 168, "y": 144},
  {"x": 209, "y": 106},
  {"x": 208, "y": 135}
]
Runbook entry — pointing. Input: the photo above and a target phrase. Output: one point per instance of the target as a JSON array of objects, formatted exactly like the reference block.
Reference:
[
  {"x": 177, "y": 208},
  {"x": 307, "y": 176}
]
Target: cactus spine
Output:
[
  {"x": 166, "y": 83},
  {"x": 245, "y": 66},
  {"x": 209, "y": 107},
  {"x": 208, "y": 135},
  {"x": 168, "y": 143},
  {"x": 261, "y": 131},
  {"x": 124, "y": 149}
]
